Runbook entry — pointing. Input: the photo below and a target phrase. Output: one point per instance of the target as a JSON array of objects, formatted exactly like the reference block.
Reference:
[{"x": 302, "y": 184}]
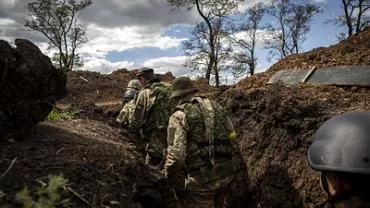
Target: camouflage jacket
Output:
[
  {"x": 151, "y": 114},
  {"x": 198, "y": 143},
  {"x": 144, "y": 101},
  {"x": 146, "y": 105},
  {"x": 124, "y": 116}
]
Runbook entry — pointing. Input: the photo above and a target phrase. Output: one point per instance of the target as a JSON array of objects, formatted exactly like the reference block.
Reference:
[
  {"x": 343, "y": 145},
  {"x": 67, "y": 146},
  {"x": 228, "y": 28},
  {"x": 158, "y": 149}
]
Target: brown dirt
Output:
[
  {"x": 81, "y": 150},
  {"x": 86, "y": 86},
  {"x": 352, "y": 51},
  {"x": 29, "y": 86},
  {"x": 275, "y": 125}
]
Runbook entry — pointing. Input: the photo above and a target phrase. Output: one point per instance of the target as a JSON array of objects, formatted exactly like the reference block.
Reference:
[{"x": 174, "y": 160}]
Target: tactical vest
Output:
[
  {"x": 209, "y": 151},
  {"x": 161, "y": 110}
]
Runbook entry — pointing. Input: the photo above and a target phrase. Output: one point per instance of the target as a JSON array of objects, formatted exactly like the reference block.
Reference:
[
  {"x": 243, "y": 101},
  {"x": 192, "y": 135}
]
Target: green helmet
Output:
[
  {"x": 135, "y": 84},
  {"x": 182, "y": 86},
  {"x": 342, "y": 144},
  {"x": 146, "y": 72}
]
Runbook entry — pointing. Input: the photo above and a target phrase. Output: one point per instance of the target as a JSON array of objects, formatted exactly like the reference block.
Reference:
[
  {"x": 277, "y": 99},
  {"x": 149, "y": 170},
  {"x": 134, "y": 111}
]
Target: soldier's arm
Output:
[
  {"x": 128, "y": 112},
  {"x": 139, "y": 110},
  {"x": 177, "y": 141},
  {"x": 121, "y": 115}
]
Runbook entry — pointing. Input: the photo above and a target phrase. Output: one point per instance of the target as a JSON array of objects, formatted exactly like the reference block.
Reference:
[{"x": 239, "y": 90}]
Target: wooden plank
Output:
[
  {"x": 342, "y": 75},
  {"x": 338, "y": 75},
  {"x": 288, "y": 77}
]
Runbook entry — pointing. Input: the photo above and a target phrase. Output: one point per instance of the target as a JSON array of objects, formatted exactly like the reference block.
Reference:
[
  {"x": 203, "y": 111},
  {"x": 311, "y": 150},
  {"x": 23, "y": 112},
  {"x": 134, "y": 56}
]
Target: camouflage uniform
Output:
[
  {"x": 126, "y": 113},
  {"x": 130, "y": 96},
  {"x": 151, "y": 114},
  {"x": 199, "y": 145}
]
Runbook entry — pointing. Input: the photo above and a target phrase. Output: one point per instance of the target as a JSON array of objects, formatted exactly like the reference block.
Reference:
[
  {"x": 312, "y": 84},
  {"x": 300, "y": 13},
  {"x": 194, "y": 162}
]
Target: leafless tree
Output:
[
  {"x": 355, "y": 16},
  {"x": 57, "y": 20},
  {"x": 245, "y": 60},
  {"x": 206, "y": 48},
  {"x": 294, "y": 23}
]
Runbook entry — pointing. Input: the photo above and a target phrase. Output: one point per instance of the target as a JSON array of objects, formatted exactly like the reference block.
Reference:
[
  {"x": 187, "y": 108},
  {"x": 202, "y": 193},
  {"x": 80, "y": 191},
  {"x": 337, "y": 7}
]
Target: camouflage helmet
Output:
[
  {"x": 182, "y": 86},
  {"x": 342, "y": 144},
  {"x": 135, "y": 84}
]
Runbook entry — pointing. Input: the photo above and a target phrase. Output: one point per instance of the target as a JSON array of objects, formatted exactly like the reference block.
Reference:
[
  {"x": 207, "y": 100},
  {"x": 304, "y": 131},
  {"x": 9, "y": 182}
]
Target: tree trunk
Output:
[
  {"x": 348, "y": 18},
  {"x": 211, "y": 42},
  {"x": 217, "y": 75}
]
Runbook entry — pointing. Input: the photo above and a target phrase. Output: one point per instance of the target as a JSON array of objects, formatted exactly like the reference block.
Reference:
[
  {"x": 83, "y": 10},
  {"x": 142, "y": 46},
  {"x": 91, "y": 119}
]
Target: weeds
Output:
[
  {"x": 60, "y": 115},
  {"x": 45, "y": 196}
]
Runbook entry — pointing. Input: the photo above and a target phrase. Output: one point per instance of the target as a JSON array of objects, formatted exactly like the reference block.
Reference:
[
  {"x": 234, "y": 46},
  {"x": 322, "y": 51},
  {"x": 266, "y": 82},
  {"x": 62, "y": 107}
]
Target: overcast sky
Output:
[{"x": 135, "y": 33}]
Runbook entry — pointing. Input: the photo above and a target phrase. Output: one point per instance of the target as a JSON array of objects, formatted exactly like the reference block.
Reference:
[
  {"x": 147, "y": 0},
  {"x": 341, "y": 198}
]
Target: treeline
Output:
[{"x": 226, "y": 38}]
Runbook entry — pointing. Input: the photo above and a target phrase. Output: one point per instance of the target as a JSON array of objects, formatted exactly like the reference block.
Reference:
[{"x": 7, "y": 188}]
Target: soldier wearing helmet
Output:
[
  {"x": 200, "y": 160},
  {"x": 341, "y": 152},
  {"x": 151, "y": 114},
  {"x": 129, "y": 99}
]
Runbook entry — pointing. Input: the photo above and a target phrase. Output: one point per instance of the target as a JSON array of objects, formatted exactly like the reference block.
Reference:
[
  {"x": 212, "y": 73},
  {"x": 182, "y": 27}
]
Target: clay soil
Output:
[{"x": 275, "y": 126}]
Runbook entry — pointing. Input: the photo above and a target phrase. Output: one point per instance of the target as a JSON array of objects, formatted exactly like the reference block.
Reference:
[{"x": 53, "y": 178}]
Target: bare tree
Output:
[
  {"x": 245, "y": 60},
  {"x": 57, "y": 21},
  {"x": 293, "y": 26},
  {"x": 205, "y": 47},
  {"x": 198, "y": 51},
  {"x": 355, "y": 16}
]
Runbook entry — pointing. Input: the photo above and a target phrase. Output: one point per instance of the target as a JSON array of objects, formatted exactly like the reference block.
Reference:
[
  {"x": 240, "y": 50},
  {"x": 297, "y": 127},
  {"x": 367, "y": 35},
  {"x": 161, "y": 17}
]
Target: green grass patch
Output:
[
  {"x": 60, "y": 115},
  {"x": 45, "y": 196}
]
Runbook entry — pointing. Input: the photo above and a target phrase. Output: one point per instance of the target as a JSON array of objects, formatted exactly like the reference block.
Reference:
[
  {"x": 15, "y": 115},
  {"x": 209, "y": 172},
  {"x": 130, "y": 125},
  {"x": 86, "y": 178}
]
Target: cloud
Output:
[
  {"x": 111, "y": 25},
  {"x": 262, "y": 36},
  {"x": 164, "y": 64},
  {"x": 103, "y": 40},
  {"x": 320, "y": 1},
  {"x": 113, "y": 13},
  {"x": 104, "y": 66},
  {"x": 244, "y": 5}
]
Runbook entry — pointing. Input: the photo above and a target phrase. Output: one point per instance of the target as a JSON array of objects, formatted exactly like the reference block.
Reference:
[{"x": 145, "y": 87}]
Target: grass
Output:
[
  {"x": 60, "y": 115},
  {"x": 45, "y": 196}
]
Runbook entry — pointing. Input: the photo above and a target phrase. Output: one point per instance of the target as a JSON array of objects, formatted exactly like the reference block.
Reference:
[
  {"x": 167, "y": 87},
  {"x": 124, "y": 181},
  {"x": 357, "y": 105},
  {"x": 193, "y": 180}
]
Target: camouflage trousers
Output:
[
  {"x": 204, "y": 199},
  {"x": 156, "y": 150}
]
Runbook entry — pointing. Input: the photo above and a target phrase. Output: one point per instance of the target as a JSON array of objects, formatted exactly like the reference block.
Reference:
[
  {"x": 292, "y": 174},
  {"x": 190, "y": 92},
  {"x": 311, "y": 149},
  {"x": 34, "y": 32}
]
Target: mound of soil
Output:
[
  {"x": 275, "y": 126},
  {"x": 354, "y": 50},
  {"x": 29, "y": 86},
  {"x": 98, "y": 162},
  {"x": 276, "y": 123},
  {"x": 86, "y": 86}
]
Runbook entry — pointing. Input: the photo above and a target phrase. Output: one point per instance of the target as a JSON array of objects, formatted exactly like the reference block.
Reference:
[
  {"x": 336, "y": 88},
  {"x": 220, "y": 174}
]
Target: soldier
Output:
[
  {"x": 151, "y": 114},
  {"x": 341, "y": 152},
  {"x": 200, "y": 137},
  {"x": 129, "y": 99}
]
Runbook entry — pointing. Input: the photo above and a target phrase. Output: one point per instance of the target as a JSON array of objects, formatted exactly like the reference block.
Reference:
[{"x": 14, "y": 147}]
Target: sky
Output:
[{"x": 135, "y": 33}]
